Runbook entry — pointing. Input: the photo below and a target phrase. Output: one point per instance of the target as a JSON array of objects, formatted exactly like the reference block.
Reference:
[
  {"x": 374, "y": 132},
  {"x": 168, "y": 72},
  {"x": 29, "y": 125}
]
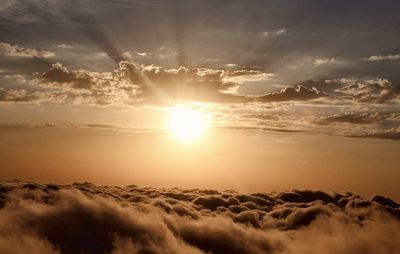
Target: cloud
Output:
[
  {"x": 59, "y": 74},
  {"x": 295, "y": 42},
  {"x": 318, "y": 62},
  {"x": 17, "y": 51},
  {"x": 280, "y": 31},
  {"x": 133, "y": 83},
  {"x": 241, "y": 76},
  {"x": 203, "y": 84},
  {"x": 274, "y": 33},
  {"x": 104, "y": 128},
  {"x": 87, "y": 218},
  {"x": 298, "y": 92},
  {"x": 64, "y": 46},
  {"x": 85, "y": 87},
  {"x": 351, "y": 123},
  {"x": 382, "y": 58},
  {"x": 371, "y": 91},
  {"x": 351, "y": 118},
  {"x": 392, "y": 133},
  {"x": 230, "y": 65},
  {"x": 12, "y": 95}
]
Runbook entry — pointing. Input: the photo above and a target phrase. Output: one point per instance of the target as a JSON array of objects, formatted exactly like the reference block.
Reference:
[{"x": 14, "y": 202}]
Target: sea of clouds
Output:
[{"x": 86, "y": 218}]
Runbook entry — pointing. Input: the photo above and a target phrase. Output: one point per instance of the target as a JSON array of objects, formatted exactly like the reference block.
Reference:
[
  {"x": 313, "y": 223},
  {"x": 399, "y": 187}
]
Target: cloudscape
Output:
[
  {"x": 85, "y": 218},
  {"x": 213, "y": 126}
]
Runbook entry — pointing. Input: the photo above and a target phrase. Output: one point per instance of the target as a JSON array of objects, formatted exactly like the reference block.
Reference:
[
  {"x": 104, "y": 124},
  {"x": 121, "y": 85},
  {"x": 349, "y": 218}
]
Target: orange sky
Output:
[
  {"x": 222, "y": 159},
  {"x": 199, "y": 126}
]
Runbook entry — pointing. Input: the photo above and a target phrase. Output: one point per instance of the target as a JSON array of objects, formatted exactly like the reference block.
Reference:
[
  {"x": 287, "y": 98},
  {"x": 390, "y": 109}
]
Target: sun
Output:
[{"x": 186, "y": 123}]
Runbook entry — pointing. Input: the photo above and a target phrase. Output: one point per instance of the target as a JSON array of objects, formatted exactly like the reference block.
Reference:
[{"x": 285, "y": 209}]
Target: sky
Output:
[{"x": 302, "y": 94}]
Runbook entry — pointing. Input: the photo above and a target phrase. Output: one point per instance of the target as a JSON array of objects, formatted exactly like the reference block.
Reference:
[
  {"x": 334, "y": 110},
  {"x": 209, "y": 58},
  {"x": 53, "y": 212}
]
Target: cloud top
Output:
[{"x": 87, "y": 218}]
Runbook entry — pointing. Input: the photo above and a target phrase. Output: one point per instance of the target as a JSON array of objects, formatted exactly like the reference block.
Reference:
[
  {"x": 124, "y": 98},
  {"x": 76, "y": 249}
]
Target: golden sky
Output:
[
  {"x": 244, "y": 160},
  {"x": 211, "y": 94},
  {"x": 199, "y": 126}
]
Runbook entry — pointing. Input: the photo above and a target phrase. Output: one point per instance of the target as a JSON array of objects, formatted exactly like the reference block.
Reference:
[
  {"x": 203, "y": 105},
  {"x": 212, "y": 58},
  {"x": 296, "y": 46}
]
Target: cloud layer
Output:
[{"x": 87, "y": 218}]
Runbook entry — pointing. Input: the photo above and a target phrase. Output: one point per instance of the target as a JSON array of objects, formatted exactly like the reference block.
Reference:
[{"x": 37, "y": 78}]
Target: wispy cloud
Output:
[
  {"x": 382, "y": 58},
  {"x": 274, "y": 32},
  {"x": 318, "y": 62}
]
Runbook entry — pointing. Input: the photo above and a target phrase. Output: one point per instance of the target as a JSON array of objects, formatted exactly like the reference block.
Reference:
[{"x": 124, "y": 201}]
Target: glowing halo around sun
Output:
[{"x": 186, "y": 123}]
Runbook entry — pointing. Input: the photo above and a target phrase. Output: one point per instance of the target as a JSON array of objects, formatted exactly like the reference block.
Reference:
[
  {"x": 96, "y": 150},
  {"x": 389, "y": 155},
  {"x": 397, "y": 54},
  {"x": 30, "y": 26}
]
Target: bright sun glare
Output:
[{"x": 187, "y": 123}]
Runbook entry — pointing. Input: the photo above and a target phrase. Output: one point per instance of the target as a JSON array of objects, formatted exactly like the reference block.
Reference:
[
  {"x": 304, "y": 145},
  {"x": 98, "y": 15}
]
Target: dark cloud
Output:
[
  {"x": 59, "y": 74},
  {"x": 157, "y": 83},
  {"x": 150, "y": 84},
  {"x": 326, "y": 86},
  {"x": 84, "y": 87},
  {"x": 305, "y": 196},
  {"x": 298, "y": 92},
  {"x": 87, "y": 218},
  {"x": 266, "y": 34}
]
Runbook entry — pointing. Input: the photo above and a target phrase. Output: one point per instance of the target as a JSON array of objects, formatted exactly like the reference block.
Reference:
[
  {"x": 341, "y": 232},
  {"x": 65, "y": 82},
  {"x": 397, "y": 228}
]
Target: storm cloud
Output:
[{"x": 88, "y": 218}]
